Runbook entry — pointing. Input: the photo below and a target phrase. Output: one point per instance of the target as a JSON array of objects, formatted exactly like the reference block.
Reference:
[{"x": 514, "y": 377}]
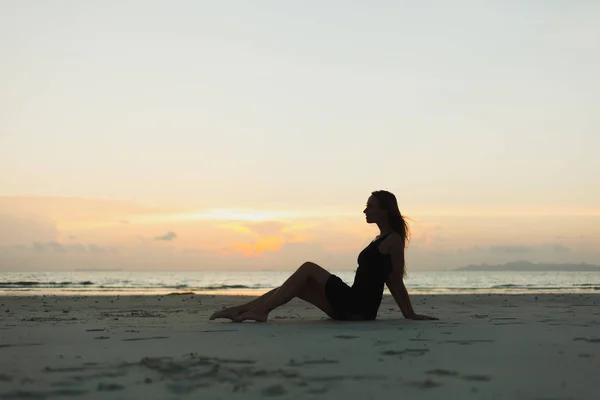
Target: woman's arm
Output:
[
  {"x": 395, "y": 282},
  {"x": 400, "y": 294}
]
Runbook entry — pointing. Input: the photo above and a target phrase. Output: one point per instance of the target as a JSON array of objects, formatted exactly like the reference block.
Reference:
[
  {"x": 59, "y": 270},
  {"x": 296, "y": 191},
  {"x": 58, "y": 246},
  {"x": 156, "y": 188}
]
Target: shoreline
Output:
[{"x": 259, "y": 292}]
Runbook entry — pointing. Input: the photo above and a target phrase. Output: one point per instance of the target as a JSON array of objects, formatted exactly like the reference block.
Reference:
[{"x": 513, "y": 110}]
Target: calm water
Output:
[{"x": 256, "y": 282}]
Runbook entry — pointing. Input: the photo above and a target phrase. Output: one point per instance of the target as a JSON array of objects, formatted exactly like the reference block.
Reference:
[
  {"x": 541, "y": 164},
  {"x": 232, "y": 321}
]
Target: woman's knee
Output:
[
  {"x": 314, "y": 271},
  {"x": 308, "y": 267}
]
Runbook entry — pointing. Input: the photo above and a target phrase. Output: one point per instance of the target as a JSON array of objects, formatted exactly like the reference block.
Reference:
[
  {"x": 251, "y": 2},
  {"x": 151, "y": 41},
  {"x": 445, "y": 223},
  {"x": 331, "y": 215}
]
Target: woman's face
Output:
[{"x": 373, "y": 212}]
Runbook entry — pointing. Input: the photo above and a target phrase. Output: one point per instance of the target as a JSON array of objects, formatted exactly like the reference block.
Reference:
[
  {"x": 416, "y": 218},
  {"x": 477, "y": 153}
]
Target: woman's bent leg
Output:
[
  {"x": 299, "y": 284},
  {"x": 315, "y": 295}
]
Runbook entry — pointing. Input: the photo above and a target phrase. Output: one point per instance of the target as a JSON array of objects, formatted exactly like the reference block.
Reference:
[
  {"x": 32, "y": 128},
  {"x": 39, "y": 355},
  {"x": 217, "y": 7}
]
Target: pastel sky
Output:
[{"x": 248, "y": 135}]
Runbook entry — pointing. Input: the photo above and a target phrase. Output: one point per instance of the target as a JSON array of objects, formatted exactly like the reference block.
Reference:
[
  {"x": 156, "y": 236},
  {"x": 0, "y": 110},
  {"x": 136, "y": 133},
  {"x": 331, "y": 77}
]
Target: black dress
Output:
[{"x": 362, "y": 300}]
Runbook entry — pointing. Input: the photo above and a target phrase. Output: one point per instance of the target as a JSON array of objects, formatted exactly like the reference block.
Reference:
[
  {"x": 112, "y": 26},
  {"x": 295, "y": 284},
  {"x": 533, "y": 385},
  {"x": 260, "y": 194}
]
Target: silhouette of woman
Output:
[{"x": 381, "y": 262}]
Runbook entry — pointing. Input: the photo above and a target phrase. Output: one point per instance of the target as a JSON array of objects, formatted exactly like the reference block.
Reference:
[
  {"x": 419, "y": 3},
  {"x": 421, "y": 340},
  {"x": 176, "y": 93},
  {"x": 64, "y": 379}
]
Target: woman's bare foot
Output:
[
  {"x": 252, "y": 316},
  {"x": 229, "y": 313}
]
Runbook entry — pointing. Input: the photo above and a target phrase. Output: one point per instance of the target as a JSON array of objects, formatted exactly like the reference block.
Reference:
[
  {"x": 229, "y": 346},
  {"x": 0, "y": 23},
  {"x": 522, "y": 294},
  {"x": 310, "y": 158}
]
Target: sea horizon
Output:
[{"x": 256, "y": 282}]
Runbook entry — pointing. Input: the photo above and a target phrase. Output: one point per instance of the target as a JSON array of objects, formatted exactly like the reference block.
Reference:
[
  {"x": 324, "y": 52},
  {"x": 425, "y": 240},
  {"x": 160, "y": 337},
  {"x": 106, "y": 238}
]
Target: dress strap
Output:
[{"x": 382, "y": 237}]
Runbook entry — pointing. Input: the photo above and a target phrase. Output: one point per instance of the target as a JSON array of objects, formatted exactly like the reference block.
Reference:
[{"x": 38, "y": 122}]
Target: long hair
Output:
[{"x": 387, "y": 201}]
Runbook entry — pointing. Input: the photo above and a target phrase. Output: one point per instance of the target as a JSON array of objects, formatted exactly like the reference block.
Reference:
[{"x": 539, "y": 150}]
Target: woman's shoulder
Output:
[{"x": 392, "y": 241}]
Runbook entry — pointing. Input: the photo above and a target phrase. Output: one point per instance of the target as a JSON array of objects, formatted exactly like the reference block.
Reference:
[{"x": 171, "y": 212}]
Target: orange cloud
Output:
[
  {"x": 271, "y": 243},
  {"x": 236, "y": 228},
  {"x": 299, "y": 237},
  {"x": 272, "y": 233}
]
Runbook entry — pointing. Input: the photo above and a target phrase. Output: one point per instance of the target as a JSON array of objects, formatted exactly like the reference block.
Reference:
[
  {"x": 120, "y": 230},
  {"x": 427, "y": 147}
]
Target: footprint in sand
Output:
[
  {"x": 109, "y": 387},
  {"x": 405, "y": 352},
  {"x": 426, "y": 384},
  {"x": 454, "y": 374},
  {"x": 468, "y": 342},
  {"x": 145, "y": 338},
  {"x": 232, "y": 361},
  {"x": 294, "y": 363},
  {"x": 340, "y": 378},
  {"x": 479, "y": 316},
  {"x": 65, "y": 369},
  {"x": 589, "y": 340},
  {"x": 477, "y": 378},
  {"x": 20, "y": 345},
  {"x": 442, "y": 372}
]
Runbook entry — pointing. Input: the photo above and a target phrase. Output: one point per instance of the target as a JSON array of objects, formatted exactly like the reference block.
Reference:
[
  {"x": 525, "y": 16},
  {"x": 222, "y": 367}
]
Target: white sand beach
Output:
[{"x": 541, "y": 346}]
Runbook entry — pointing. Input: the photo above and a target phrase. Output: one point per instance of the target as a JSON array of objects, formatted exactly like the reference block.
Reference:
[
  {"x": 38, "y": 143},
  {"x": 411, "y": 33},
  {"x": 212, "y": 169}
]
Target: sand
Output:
[{"x": 164, "y": 347}]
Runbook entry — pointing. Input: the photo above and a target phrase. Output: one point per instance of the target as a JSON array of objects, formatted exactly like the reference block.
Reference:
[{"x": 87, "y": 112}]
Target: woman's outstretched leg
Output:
[
  {"x": 232, "y": 312},
  {"x": 299, "y": 283}
]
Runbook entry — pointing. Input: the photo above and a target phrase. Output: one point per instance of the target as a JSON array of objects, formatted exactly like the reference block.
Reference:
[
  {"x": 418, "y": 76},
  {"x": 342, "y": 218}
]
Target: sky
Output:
[{"x": 249, "y": 135}]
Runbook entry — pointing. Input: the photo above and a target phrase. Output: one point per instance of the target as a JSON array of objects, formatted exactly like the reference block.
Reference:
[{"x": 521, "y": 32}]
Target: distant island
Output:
[{"x": 529, "y": 266}]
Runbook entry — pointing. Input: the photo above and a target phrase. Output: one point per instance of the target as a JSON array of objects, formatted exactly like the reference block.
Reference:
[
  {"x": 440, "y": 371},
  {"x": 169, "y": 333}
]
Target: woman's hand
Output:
[{"x": 421, "y": 317}]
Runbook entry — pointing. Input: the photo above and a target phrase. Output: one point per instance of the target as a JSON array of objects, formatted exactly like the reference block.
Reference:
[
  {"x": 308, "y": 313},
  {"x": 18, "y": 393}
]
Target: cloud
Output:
[
  {"x": 260, "y": 228},
  {"x": 265, "y": 236},
  {"x": 167, "y": 236},
  {"x": 450, "y": 258},
  {"x": 53, "y": 255},
  {"x": 56, "y": 247},
  {"x": 257, "y": 248},
  {"x": 266, "y": 228},
  {"x": 295, "y": 253},
  {"x": 236, "y": 228}
]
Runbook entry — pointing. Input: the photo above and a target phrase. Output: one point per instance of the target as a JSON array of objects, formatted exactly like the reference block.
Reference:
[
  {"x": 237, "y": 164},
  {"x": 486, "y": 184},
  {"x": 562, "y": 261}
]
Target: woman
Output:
[{"x": 381, "y": 262}]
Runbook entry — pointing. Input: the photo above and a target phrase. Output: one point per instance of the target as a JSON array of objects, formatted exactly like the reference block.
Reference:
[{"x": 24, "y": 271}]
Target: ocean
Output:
[{"x": 257, "y": 282}]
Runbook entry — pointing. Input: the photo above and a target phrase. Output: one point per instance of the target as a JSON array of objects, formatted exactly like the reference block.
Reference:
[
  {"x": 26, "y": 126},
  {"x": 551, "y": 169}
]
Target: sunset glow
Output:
[{"x": 253, "y": 142}]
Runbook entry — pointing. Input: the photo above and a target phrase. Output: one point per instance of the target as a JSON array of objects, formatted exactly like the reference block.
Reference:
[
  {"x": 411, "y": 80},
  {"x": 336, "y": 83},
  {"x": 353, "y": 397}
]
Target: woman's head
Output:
[{"x": 382, "y": 206}]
